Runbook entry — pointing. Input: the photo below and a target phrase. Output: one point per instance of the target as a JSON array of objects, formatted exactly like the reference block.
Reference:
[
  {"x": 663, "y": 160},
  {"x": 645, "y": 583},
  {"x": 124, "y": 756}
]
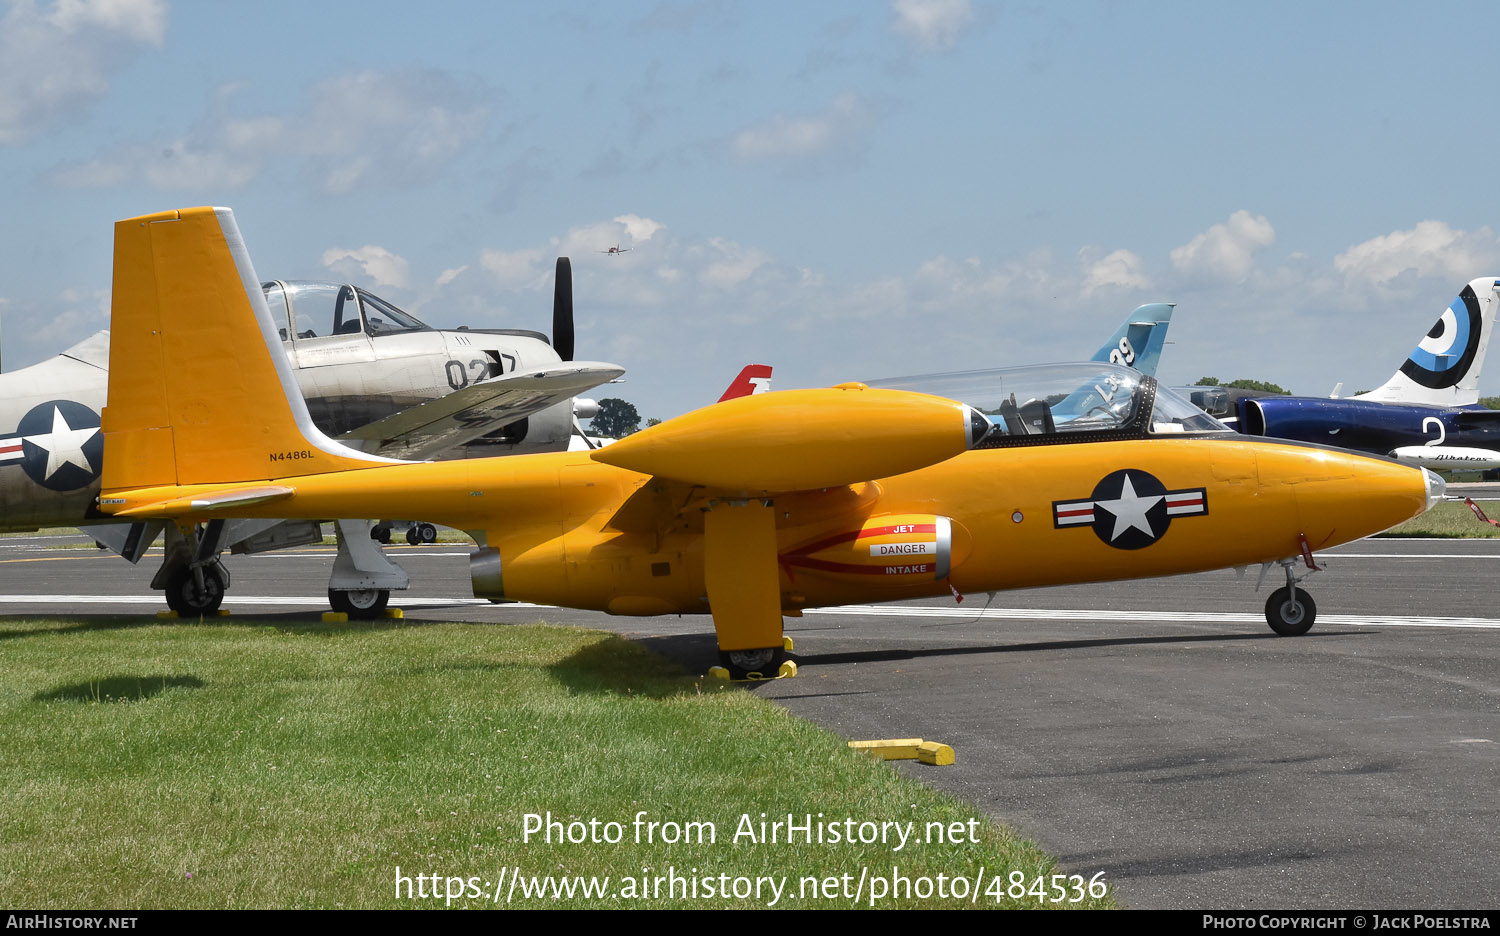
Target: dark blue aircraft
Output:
[{"x": 1427, "y": 414}]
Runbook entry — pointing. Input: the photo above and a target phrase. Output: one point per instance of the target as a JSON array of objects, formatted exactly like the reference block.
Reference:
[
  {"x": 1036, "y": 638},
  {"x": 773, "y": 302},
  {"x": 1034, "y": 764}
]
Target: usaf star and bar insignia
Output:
[
  {"x": 1130, "y": 509},
  {"x": 58, "y": 444}
]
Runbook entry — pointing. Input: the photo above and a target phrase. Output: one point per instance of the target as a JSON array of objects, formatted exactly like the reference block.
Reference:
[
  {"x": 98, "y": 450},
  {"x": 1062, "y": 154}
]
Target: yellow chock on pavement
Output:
[
  {"x": 928, "y": 752},
  {"x": 786, "y": 643},
  {"x": 935, "y": 753},
  {"x": 222, "y": 612},
  {"x": 334, "y": 617},
  {"x": 167, "y": 615},
  {"x": 787, "y": 670},
  {"x": 395, "y": 613},
  {"x": 890, "y": 748}
]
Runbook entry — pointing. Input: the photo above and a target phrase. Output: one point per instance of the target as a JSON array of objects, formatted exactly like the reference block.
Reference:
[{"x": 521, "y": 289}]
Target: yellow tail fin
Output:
[{"x": 200, "y": 388}]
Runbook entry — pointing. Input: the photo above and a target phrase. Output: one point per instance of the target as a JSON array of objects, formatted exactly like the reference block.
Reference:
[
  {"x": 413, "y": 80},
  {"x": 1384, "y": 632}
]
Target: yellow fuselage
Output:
[{"x": 569, "y": 530}]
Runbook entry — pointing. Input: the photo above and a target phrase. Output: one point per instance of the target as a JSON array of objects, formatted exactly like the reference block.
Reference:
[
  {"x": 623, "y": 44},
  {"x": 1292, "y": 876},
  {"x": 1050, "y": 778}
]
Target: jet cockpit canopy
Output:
[{"x": 1063, "y": 402}]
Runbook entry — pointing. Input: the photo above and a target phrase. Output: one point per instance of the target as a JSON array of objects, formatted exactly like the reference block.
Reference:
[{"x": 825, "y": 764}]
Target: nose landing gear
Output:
[{"x": 1291, "y": 611}]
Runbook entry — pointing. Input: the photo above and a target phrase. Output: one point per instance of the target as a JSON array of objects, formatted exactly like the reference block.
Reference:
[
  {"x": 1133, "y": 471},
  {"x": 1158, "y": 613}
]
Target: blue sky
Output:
[{"x": 840, "y": 190}]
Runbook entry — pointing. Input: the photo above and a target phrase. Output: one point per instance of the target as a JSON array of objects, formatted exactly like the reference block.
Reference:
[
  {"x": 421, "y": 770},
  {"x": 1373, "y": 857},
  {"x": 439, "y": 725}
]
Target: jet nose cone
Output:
[{"x": 1436, "y": 488}]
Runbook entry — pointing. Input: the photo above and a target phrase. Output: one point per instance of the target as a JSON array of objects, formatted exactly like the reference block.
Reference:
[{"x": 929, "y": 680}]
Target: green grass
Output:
[
  {"x": 1453, "y": 520},
  {"x": 239, "y": 764}
]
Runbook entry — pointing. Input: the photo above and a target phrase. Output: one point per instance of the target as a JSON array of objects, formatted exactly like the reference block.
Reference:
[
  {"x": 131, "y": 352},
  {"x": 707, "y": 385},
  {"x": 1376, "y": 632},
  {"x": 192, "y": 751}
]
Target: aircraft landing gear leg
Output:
[
  {"x": 744, "y": 590},
  {"x": 363, "y": 577},
  {"x": 191, "y": 575},
  {"x": 1290, "y": 611},
  {"x": 197, "y": 590}
]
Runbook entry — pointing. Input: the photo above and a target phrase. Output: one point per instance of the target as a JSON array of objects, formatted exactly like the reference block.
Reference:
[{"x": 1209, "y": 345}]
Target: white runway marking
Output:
[
  {"x": 1192, "y": 617},
  {"x": 297, "y": 602},
  {"x": 914, "y": 611},
  {"x": 1334, "y": 555}
]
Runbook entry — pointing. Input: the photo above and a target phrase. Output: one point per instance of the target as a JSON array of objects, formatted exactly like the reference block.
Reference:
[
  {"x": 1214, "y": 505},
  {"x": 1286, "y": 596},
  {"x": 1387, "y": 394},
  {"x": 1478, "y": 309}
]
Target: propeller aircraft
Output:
[{"x": 373, "y": 375}]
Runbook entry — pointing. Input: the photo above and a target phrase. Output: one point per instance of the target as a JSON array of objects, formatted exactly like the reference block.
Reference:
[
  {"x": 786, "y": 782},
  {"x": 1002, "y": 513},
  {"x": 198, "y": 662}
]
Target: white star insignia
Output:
[
  {"x": 1129, "y": 510},
  {"x": 64, "y": 444}
]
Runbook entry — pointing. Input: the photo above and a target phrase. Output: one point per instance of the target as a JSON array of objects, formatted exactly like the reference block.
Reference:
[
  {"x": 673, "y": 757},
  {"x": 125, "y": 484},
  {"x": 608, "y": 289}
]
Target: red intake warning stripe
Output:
[{"x": 853, "y": 535}]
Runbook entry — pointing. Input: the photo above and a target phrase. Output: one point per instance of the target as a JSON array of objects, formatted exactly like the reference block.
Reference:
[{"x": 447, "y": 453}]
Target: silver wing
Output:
[{"x": 446, "y": 424}]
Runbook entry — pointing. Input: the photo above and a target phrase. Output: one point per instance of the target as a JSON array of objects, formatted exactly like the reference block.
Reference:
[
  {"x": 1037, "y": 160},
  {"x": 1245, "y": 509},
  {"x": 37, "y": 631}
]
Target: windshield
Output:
[
  {"x": 1059, "y": 402},
  {"x": 382, "y": 318},
  {"x": 1172, "y": 413}
]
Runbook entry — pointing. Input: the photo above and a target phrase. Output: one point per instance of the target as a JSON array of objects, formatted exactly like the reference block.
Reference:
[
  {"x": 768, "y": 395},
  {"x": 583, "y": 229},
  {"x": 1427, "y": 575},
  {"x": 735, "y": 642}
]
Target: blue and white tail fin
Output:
[
  {"x": 1137, "y": 343},
  {"x": 1444, "y": 367}
]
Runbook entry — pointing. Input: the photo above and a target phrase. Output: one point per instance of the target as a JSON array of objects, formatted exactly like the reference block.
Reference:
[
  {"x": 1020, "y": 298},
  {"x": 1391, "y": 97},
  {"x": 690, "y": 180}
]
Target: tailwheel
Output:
[
  {"x": 1290, "y": 611},
  {"x": 763, "y": 663},
  {"x": 188, "y": 599},
  {"x": 360, "y": 604}
]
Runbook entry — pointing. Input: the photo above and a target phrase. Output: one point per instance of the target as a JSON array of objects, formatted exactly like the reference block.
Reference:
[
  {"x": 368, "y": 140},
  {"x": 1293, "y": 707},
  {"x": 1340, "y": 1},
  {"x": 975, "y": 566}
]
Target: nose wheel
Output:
[{"x": 1290, "y": 611}]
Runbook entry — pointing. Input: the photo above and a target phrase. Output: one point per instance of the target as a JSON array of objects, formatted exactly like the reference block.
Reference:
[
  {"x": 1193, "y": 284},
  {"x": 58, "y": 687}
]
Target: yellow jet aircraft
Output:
[{"x": 749, "y": 509}]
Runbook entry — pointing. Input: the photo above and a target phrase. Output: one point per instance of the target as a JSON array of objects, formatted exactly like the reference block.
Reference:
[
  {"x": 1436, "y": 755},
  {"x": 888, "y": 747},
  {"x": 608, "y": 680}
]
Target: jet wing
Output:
[{"x": 430, "y": 429}]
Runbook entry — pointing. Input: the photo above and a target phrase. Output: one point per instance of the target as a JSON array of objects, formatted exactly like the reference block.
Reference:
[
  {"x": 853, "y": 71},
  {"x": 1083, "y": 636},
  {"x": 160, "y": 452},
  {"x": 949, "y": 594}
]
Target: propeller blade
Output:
[{"x": 562, "y": 310}]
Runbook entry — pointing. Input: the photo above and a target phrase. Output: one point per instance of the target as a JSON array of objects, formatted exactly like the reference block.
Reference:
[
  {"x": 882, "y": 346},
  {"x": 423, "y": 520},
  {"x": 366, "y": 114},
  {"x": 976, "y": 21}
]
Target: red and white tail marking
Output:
[{"x": 755, "y": 378}]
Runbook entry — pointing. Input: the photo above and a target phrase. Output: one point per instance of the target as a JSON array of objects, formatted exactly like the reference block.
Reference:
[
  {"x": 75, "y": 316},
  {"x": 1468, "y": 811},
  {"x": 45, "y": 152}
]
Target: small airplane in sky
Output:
[
  {"x": 748, "y": 509},
  {"x": 1427, "y": 414},
  {"x": 373, "y": 375},
  {"x": 617, "y": 249}
]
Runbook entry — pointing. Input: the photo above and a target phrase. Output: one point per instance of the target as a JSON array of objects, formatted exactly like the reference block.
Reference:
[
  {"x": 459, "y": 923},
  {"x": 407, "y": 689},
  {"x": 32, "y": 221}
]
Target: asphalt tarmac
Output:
[{"x": 1156, "y": 731}]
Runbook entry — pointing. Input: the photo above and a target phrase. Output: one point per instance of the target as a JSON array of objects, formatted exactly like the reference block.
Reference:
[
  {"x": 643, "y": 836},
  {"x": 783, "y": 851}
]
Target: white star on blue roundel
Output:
[
  {"x": 1130, "y": 509},
  {"x": 62, "y": 448}
]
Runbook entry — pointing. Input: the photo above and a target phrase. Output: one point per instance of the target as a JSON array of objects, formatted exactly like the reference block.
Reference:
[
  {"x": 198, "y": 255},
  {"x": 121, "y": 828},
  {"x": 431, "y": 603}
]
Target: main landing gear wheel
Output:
[
  {"x": 1290, "y": 615},
  {"x": 752, "y": 664},
  {"x": 380, "y": 533},
  {"x": 421, "y": 533},
  {"x": 362, "y": 604},
  {"x": 188, "y": 600}
]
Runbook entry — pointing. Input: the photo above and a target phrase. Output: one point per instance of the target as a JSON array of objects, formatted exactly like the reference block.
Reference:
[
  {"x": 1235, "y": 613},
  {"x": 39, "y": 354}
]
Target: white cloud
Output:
[
  {"x": 448, "y": 276},
  {"x": 732, "y": 264},
  {"x": 355, "y": 129},
  {"x": 638, "y": 229},
  {"x": 142, "y": 20},
  {"x": 1121, "y": 268},
  {"x": 1432, "y": 248},
  {"x": 371, "y": 261},
  {"x": 932, "y": 24},
  {"x": 515, "y": 269},
  {"x": 73, "y": 316},
  {"x": 1225, "y": 251},
  {"x": 54, "y": 63},
  {"x": 844, "y": 121}
]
